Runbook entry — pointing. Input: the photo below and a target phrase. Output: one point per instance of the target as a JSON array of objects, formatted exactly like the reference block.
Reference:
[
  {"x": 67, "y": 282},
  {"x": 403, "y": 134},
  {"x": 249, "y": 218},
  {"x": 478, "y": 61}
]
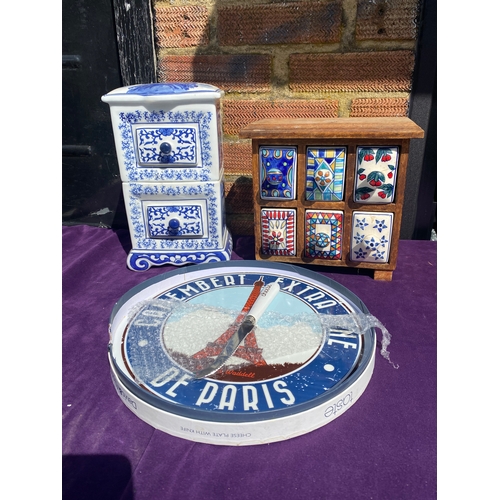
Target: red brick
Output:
[
  {"x": 387, "y": 71},
  {"x": 293, "y": 22},
  {"x": 239, "y": 113},
  {"x": 181, "y": 26},
  {"x": 387, "y": 19},
  {"x": 237, "y": 158},
  {"x": 392, "y": 106},
  {"x": 231, "y": 73}
]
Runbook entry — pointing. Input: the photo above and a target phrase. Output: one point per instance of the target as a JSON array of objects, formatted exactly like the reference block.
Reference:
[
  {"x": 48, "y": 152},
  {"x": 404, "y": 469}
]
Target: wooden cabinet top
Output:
[{"x": 327, "y": 128}]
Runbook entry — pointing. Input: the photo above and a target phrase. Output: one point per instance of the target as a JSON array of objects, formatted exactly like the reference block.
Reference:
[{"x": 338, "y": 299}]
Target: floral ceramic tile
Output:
[
  {"x": 147, "y": 147},
  {"x": 278, "y": 171},
  {"x": 168, "y": 145},
  {"x": 166, "y": 219},
  {"x": 323, "y": 236},
  {"x": 376, "y": 174},
  {"x": 177, "y": 216},
  {"x": 371, "y": 236},
  {"x": 278, "y": 231},
  {"x": 325, "y": 173}
]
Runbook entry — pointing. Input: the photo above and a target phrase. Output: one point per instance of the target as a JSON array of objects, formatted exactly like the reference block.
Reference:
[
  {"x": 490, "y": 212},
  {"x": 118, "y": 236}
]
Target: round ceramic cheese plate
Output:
[{"x": 299, "y": 368}]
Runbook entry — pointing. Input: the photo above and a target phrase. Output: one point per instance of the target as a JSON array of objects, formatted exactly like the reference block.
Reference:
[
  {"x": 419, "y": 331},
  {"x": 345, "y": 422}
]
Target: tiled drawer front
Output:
[
  {"x": 175, "y": 219},
  {"x": 325, "y": 173},
  {"x": 169, "y": 145},
  {"x": 376, "y": 170},
  {"x": 371, "y": 236},
  {"x": 279, "y": 230},
  {"x": 278, "y": 173},
  {"x": 323, "y": 235}
]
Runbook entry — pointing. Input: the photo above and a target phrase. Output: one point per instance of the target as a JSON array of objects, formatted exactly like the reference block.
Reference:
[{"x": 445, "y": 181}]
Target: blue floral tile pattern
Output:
[
  {"x": 325, "y": 173},
  {"x": 371, "y": 236},
  {"x": 141, "y": 197},
  {"x": 278, "y": 170},
  {"x": 161, "y": 88},
  {"x": 376, "y": 174},
  {"x": 142, "y": 260},
  {"x": 175, "y": 220},
  {"x": 176, "y": 146},
  {"x": 166, "y": 122}
]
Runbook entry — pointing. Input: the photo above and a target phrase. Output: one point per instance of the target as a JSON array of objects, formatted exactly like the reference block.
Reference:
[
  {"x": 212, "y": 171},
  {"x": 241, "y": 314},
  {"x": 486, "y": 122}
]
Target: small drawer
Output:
[
  {"x": 323, "y": 235},
  {"x": 278, "y": 231},
  {"x": 180, "y": 216},
  {"x": 169, "y": 132},
  {"x": 278, "y": 172},
  {"x": 371, "y": 236},
  {"x": 376, "y": 170},
  {"x": 325, "y": 173},
  {"x": 175, "y": 219},
  {"x": 169, "y": 145}
]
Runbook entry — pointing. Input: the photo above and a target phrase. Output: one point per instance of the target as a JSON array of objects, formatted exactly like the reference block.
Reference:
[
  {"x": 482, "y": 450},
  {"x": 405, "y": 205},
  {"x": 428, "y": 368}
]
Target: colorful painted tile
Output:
[
  {"x": 278, "y": 231},
  {"x": 323, "y": 236},
  {"x": 278, "y": 170},
  {"x": 376, "y": 174},
  {"x": 371, "y": 236},
  {"x": 325, "y": 173}
]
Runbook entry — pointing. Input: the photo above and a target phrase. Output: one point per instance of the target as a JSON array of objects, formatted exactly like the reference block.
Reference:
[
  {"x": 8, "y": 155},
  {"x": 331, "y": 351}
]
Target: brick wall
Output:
[{"x": 298, "y": 58}]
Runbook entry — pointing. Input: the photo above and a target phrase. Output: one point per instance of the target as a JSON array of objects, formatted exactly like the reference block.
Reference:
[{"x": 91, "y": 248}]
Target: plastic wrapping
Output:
[{"x": 189, "y": 328}]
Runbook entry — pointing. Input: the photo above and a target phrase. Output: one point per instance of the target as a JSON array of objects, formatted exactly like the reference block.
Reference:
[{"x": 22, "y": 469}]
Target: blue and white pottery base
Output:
[{"x": 142, "y": 260}]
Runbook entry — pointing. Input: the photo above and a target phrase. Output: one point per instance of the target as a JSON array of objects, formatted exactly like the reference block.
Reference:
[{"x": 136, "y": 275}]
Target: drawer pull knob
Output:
[
  {"x": 322, "y": 240},
  {"x": 165, "y": 148},
  {"x": 173, "y": 226}
]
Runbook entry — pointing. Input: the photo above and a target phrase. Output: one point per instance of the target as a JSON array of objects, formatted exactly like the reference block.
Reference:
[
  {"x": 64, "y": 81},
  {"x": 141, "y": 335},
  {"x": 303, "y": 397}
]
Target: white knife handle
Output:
[{"x": 266, "y": 296}]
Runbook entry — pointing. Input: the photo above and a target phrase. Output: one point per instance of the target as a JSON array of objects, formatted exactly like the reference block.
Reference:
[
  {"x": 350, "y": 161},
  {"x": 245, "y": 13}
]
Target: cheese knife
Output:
[{"x": 265, "y": 298}]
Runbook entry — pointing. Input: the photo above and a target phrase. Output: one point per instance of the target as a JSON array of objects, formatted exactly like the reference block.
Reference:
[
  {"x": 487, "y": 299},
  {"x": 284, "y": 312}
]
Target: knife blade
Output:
[{"x": 266, "y": 296}]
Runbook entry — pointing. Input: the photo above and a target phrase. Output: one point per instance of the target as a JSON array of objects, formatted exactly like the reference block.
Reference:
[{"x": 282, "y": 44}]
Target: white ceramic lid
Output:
[{"x": 156, "y": 91}]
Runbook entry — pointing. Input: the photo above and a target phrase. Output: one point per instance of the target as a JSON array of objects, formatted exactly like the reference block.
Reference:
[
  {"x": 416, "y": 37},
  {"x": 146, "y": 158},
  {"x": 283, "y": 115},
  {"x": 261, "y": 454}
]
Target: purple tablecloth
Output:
[{"x": 384, "y": 447}]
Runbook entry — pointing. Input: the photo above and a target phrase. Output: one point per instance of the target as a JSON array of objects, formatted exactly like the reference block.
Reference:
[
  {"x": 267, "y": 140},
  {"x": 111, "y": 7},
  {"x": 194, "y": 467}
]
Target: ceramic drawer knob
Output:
[
  {"x": 173, "y": 226},
  {"x": 165, "y": 148}
]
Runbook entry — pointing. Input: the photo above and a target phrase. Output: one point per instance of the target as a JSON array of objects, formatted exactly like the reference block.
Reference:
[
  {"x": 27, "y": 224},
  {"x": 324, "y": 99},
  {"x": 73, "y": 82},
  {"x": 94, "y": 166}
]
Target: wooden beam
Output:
[{"x": 134, "y": 33}]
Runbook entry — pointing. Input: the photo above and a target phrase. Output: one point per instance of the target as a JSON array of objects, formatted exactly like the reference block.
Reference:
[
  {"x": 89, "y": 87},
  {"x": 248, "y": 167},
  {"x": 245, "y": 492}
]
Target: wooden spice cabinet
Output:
[{"x": 360, "y": 145}]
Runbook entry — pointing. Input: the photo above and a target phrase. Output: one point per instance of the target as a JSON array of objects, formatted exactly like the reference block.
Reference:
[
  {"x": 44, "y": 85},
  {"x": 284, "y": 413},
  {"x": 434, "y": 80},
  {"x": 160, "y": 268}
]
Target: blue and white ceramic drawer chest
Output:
[{"x": 168, "y": 139}]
